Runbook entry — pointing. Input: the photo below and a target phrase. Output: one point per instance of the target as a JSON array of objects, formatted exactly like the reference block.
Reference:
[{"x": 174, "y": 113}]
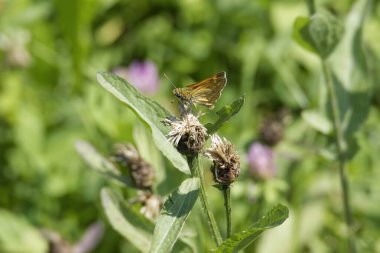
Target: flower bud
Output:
[
  {"x": 226, "y": 163},
  {"x": 261, "y": 161},
  {"x": 141, "y": 171}
]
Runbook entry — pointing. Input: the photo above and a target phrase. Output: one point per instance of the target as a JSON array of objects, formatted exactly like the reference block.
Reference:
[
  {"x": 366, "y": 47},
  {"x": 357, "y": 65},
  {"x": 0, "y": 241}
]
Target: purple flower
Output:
[
  {"x": 143, "y": 75},
  {"x": 261, "y": 161}
]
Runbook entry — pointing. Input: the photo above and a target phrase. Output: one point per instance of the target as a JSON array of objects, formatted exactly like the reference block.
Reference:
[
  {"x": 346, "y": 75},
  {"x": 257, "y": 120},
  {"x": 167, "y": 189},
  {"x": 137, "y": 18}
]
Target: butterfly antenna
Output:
[{"x": 170, "y": 81}]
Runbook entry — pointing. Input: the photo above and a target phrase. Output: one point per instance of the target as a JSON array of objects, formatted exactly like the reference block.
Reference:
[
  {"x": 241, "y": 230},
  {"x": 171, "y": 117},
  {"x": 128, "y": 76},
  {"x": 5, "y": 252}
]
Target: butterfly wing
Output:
[{"x": 206, "y": 92}]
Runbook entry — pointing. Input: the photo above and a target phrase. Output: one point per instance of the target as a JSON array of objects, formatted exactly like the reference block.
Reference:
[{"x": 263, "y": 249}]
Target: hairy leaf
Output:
[
  {"x": 319, "y": 34},
  {"x": 225, "y": 114},
  {"x": 148, "y": 111},
  {"x": 238, "y": 241},
  {"x": 133, "y": 226},
  {"x": 174, "y": 214}
]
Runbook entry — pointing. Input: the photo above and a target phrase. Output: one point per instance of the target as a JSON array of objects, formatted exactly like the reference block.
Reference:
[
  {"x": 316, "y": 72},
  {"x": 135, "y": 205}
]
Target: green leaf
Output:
[
  {"x": 17, "y": 235},
  {"x": 318, "y": 121},
  {"x": 130, "y": 224},
  {"x": 149, "y": 112},
  {"x": 174, "y": 214},
  {"x": 238, "y": 241},
  {"x": 350, "y": 77},
  {"x": 100, "y": 164},
  {"x": 319, "y": 34},
  {"x": 225, "y": 114}
]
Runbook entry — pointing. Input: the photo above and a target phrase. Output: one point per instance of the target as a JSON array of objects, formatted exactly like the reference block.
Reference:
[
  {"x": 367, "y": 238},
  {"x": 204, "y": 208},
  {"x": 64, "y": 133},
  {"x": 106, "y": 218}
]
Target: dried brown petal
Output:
[
  {"x": 188, "y": 135},
  {"x": 226, "y": 163},
  {"x": 141, "y": 172}
]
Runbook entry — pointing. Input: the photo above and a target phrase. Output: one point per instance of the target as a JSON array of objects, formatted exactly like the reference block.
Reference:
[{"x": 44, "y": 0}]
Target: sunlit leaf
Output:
[
  {"x": 148, "y": 111},
  {"x": 318, "y": 121},
  {"x": 174, "y": 214},
  {"x": 17, "y": 235},
  {"x": 225, "y": 114},
  {"x": 350, "y": 77},
  {"x": 127, "y": 222},
  {"x": 238, "y": 241},
  {"x": 319, "y": 34}
]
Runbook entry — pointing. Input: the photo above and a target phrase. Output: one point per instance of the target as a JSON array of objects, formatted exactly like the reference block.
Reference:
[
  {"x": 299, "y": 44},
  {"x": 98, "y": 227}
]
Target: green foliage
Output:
[
  {"x": 350, "y": 76},
  {"x": 50, "y": 52},
  {"x": 240, "y": 240},
  {"x": 319, "y": 34},
  {"x": 128, "y": 223},
  {"x": 173, "y": 215},
  {"x": 224, "y": 115},
  {"x": 17, "y": 235},
  {"x": 149, "y": 111}
]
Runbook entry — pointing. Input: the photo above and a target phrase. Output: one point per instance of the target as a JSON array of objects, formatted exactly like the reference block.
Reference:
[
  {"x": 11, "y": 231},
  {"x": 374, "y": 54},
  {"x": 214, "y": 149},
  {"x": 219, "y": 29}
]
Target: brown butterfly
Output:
[{"x": 204, "y": 93}]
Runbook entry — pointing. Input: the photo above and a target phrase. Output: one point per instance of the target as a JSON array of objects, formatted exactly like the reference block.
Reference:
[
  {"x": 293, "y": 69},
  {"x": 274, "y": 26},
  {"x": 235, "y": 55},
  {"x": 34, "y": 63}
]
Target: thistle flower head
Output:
[
  {"x": 188, "y": 135},
  {"x": 271, "y": 131},
  {"x": 141, "y": 172},
  {"x": 226, "y": 162}
]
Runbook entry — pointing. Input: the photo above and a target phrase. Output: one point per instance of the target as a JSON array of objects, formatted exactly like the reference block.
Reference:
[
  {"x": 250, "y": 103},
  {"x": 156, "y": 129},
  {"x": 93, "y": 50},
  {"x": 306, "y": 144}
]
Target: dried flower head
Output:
[
  {"x": 141, "y": 171},
  {"x": 226, "y": 163},
  {"x": 188, "y": 135},
  {"x": 271, "y": 131},
  {"x": 152, "y": 205}
]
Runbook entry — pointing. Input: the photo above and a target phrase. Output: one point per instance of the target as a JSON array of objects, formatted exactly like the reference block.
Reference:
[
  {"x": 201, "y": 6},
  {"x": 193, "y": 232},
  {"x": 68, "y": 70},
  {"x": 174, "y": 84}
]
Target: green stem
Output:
[
  {"x": 311, "y": 6},
  {"x": 196, "y": 172},
  {"x": 227, "y": 205},
  {"x": 341, "y": 147}
]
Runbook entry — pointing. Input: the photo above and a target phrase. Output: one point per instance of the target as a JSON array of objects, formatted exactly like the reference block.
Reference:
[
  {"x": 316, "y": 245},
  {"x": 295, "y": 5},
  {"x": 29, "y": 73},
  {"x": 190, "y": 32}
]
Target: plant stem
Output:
[
  {"x": 341, "y": 147},
  {"x": 227, "y": 205},
  {"x": 196, "y": 172},
  {"x": 311, "y": 6}
]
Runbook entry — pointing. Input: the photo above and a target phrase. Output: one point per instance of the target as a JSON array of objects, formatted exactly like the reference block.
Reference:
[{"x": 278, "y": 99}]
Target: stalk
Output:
[
  {"x": 311, "y": 6},
  {"x": 340, "y": 144},
  {"x": 196, "y": 172},
  {"x": 227, "y": 204}
]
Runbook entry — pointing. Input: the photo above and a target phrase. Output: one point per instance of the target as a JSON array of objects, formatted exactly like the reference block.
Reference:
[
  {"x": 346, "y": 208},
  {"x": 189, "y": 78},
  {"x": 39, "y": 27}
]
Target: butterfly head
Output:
[{"x": 178, "y": 94}]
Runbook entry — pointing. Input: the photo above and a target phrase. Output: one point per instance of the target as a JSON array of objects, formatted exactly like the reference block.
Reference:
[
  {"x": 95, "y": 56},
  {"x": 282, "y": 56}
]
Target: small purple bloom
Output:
[
  {"x": 261, "y": 161},
  {"x": 143, "y": 75}
]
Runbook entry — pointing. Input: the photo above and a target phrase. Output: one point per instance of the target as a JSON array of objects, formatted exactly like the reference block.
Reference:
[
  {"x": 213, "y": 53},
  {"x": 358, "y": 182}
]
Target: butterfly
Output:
[{"x": 204, "y": 93}]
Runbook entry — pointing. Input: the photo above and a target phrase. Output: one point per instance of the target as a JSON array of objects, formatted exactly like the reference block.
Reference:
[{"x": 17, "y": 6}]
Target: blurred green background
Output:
[{"x": 50, "y": 52}]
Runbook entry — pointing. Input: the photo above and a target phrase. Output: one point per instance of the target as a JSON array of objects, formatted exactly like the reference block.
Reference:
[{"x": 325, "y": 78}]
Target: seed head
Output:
[
  {"x": 271, "y": 131},
  {"x": 152, "y": 205},
  {"x": 141, "y": 171},
  {"x": 226, "y": 163},
  {"x": 188, "y": 135}
]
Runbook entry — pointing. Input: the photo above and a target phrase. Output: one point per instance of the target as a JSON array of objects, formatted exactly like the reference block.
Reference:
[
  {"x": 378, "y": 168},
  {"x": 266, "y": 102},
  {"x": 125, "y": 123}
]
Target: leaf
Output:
[
  {"x": 238, "y": 241},
  {"x": 319, "y": 34},
  {"x": 173, "y": 216},
  {"x": 148, "y": 111},
  {"x": 350, "y": 77},
  {"x": 225, "y": 114},
  {"x": 17, "y": 235},
  {"x": 133, "y": 226},
  {"x": 100, "y": 164},
  {"x": 318, "y": 121}
]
